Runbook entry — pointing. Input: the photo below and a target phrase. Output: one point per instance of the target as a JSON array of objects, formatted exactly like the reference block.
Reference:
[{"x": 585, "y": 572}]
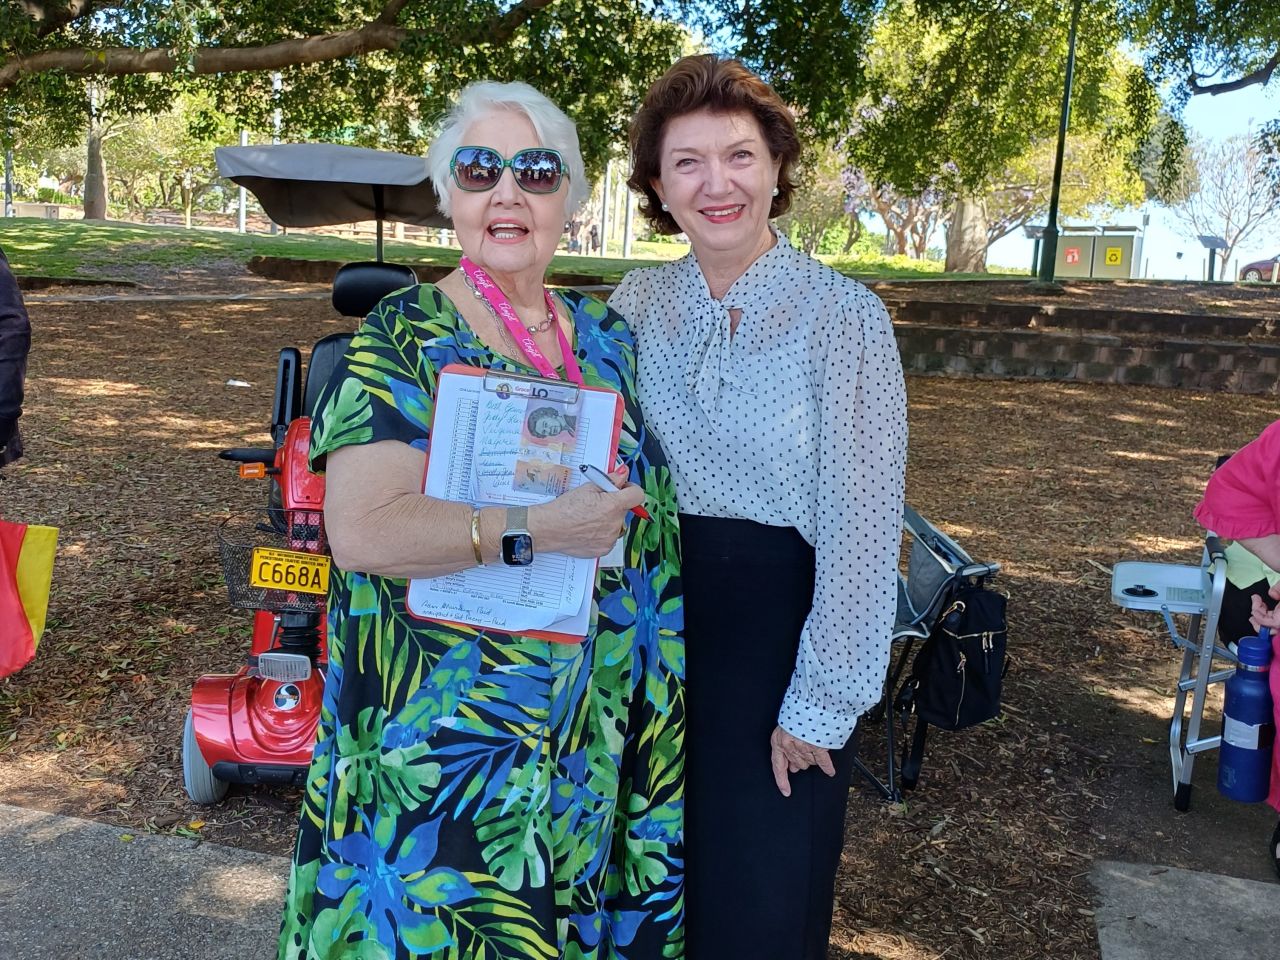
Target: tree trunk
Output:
[
  {"x": 967, "y": 237},
  {"x": 1223, "y": 272},
  {"x": 899, "y": 238},
  {"x": 95, "y": 176},
  {"x": 920, "y": 231},
  {"x": 188, "y": 197},
  {"x": 812, "y": 237},
  {"x": 855, "y": 232}
]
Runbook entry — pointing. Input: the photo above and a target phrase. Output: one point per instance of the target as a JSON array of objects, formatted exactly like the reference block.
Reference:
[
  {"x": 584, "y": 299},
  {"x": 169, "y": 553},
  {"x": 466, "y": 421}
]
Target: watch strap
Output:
[{"x": 517, "y": 519}]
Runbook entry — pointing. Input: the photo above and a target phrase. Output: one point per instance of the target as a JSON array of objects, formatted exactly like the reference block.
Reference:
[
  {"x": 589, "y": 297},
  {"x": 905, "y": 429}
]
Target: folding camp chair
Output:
[
  {"x": 935, "y": 566},
  {"x": 1193, "y": 592}
]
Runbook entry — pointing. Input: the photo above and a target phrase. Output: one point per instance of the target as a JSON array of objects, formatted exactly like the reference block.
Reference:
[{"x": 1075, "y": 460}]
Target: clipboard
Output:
[{"x": 517, "y": 388}]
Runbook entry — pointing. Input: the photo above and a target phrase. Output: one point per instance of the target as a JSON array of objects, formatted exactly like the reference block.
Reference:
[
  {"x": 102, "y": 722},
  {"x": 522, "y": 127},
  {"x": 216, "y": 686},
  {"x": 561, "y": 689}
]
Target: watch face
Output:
[{"x": 517, "y": 549}]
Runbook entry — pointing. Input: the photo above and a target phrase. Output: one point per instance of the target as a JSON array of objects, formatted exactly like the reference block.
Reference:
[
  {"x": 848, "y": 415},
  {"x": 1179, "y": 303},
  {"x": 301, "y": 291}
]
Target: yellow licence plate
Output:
[{"x": 289, "y": 570}]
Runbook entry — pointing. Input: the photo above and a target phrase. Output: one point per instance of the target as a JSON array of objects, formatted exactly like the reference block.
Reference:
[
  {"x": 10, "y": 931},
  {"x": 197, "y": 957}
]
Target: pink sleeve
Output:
[{"x": 1243, "y": 496}]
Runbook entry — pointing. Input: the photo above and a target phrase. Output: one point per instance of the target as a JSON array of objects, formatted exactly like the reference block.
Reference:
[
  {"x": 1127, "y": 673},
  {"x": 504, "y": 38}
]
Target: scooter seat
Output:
[
  {"x": 325, "y": 356},
  {"x": 357, "y": 287}
]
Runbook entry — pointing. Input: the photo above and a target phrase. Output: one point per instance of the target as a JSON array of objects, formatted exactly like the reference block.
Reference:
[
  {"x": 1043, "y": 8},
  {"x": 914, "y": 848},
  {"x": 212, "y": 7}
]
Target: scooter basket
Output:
[{"x": 270, "y": 543}]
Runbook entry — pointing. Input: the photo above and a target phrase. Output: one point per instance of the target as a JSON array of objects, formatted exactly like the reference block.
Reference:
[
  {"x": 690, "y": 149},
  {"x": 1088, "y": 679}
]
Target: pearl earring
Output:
[
  {"x": 775, "y": 191},
  {"x": 665, "y": 208}
]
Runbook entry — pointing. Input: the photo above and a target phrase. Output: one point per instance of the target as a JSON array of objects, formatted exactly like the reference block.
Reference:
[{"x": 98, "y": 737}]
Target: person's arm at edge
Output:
[
  {"x": 1242, "y": 498},
  {"x": 15, "y": 343}
]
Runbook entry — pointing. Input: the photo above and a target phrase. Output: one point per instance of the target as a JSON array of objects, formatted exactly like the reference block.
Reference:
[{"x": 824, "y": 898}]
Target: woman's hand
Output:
[
  {"x": 586, "y": 521},
  {"x": 1261, "y": 617},
  {"x": 790, "y": 754}
]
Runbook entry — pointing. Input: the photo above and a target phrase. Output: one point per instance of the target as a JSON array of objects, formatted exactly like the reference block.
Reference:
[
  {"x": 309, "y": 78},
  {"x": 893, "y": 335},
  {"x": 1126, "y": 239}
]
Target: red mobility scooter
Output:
[{"x": 258, "y": 725}]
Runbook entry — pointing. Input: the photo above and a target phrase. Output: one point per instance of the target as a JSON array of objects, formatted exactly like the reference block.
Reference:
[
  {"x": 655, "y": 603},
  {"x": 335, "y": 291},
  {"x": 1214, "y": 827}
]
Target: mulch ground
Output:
[{"x": 129, "y": 404}]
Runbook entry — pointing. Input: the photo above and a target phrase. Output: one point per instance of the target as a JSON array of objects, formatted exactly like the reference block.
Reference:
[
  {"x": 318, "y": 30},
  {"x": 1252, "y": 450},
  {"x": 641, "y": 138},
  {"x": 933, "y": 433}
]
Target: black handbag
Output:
[{"x": 957, "y": 674}]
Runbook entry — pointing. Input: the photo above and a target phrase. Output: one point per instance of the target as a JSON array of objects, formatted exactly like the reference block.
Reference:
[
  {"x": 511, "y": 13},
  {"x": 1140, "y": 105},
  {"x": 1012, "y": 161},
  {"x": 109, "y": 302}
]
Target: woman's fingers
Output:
[
  {"x": 1259, "y": 610},
  {"x": 801, "y": 754},
  {"x": 791, "y": 754},
  {"x": 778, "y": 760},
  {"x": 823, "y": 759},
  {"x": 1261, "y": 617},
  {"x": 629, "y": 496}
]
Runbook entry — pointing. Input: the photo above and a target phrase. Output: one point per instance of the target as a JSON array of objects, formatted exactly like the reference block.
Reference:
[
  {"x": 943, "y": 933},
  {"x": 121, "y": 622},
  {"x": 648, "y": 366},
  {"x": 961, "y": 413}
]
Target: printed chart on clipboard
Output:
[{"x": 501, "y": 439}]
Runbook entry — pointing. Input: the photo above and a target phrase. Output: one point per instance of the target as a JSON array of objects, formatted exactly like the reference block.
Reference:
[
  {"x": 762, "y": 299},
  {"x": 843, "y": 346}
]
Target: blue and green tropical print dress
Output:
[{"x": 477, "y": 795}]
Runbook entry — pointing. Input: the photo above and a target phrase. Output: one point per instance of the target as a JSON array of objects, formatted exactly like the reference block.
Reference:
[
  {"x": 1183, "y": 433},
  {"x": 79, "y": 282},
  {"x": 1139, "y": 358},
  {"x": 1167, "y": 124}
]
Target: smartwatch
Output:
[{"x": 517, "y": 542}]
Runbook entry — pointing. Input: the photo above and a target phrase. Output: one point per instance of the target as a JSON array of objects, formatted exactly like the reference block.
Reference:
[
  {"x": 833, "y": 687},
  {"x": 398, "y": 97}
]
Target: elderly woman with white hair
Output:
[{"x": 474, "y": 792}]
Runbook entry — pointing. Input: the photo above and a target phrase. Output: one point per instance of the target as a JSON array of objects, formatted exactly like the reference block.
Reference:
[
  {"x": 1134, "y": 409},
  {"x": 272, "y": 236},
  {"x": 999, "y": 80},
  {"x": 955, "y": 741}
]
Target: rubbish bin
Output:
[
  {"x": 1075, "y": 252},
  {"x": 1117, "y": 253}
]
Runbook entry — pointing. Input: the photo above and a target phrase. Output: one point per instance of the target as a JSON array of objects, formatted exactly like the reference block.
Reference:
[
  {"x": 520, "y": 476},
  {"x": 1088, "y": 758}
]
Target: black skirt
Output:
[{"x": 760, "y": 867}]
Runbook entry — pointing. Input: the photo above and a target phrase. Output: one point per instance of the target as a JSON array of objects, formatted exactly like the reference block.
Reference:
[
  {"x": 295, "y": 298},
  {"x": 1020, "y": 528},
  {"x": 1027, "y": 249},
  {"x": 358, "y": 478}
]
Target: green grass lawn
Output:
[{"x": 69, "y": 248}]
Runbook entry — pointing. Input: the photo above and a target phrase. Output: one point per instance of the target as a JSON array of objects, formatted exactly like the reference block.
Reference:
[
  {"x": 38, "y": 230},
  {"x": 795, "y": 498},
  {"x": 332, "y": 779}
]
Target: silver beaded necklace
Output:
[{"x": 531, "y": 327}]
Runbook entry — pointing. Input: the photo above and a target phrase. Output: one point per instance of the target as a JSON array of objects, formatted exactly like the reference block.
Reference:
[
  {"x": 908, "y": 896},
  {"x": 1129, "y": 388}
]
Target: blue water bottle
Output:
[{"x": 1248, "y": 725}]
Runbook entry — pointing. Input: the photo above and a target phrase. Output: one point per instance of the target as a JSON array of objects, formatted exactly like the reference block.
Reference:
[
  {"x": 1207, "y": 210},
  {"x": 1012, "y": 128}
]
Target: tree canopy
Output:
[
  {"x": 1201, "y": 48},
  {"x": 389, "y": 66},
  {"x": 374, "y": 71},
  {"x": 963, "y": 89},
  {"x": 962, "y": 102}
]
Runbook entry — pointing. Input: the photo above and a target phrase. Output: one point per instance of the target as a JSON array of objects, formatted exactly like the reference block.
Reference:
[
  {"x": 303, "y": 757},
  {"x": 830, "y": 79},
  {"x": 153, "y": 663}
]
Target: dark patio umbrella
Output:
[{"x": 320, "y": 184}]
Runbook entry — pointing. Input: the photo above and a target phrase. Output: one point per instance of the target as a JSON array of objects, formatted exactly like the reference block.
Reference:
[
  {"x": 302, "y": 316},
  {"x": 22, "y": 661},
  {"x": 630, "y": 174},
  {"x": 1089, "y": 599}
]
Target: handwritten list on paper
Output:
[{"x": 494, "y": 450}]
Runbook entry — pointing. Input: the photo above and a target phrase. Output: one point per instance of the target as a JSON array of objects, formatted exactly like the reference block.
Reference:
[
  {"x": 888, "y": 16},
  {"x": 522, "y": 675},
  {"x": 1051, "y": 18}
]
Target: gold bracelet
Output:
[{"x": 475, "y": 535}]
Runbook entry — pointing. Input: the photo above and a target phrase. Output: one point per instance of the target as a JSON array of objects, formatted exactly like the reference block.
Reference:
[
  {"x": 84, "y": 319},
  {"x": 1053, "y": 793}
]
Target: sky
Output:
[{"x": 1214, "y": 118}]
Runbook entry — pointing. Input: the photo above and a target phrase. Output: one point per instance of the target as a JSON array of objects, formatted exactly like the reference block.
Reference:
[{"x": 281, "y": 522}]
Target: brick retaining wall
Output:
[
  {"x": 1235, "y": 366},
  {"x": 1051, "y": 342}
]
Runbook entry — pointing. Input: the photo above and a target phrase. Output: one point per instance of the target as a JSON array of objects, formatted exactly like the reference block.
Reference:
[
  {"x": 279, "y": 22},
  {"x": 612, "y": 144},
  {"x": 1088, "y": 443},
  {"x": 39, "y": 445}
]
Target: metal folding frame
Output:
[
  {"x": 1195, "y": 593},
  {"x": 935, "y": 565}
]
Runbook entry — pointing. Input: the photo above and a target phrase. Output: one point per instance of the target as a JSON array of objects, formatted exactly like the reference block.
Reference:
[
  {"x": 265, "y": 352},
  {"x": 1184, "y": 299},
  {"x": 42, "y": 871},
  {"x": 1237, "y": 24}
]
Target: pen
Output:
[{"x": 601, "y": 480}]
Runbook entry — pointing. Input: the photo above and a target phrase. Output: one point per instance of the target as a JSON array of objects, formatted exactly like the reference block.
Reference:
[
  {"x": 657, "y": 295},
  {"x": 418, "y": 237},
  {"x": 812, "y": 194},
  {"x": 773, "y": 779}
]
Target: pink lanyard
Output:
[{"x": 501, "y": 306}]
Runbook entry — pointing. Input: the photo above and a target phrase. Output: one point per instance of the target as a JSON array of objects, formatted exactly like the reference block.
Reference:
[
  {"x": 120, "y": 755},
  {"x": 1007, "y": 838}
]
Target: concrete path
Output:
[
  {"x": 73, "y": 889},
  {"x": 1161, "y": 913}
]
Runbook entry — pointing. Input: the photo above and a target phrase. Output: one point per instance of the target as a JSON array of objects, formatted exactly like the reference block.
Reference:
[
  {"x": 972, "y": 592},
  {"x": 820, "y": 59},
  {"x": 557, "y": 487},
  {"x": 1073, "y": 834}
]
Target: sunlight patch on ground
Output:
[
  {"x": 228, "y": 892},
  {"x": 1144, "y": 455},
  {"x": 85, "y": 387},
  {"x": 1148, "y": 543},
  {"x": 882, "y": 944},
  {"x": 1148, "y": 700}
]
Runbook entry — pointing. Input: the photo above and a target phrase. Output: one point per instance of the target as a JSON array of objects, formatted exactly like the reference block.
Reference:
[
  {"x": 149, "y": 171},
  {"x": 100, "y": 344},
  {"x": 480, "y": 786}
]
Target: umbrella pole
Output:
[{"x": 379, "y": 211}]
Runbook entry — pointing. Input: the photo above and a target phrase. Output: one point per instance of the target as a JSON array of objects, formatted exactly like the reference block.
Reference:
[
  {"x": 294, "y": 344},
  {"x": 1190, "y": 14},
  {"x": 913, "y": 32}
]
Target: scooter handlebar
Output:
[{"x": 266, "y": 455}]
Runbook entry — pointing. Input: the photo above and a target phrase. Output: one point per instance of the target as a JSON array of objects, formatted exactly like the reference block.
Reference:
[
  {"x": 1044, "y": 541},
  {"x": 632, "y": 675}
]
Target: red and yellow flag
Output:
[{"x": 26, "y": 570}]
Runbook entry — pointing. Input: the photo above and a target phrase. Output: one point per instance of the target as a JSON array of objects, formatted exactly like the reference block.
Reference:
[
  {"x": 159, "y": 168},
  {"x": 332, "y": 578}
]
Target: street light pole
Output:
[
  {"x": 1049, "y": 253},
  {"x": 8, "y": 182},
  {"x": 276, "y": 85}
]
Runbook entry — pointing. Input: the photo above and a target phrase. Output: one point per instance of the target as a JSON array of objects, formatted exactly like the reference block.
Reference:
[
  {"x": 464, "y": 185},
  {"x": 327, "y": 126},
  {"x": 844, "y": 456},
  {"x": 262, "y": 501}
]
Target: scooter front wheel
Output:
[{"x": 197, "y": 776}]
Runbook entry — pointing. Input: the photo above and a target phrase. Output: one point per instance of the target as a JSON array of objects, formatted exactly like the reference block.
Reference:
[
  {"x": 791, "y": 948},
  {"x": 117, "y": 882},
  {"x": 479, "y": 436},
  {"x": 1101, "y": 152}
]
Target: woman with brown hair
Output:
[{"x": 775, "y": 387}]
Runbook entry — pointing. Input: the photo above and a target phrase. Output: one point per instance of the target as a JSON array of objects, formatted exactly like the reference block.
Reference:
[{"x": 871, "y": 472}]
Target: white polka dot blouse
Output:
[{"x": 798, "y": 418}]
